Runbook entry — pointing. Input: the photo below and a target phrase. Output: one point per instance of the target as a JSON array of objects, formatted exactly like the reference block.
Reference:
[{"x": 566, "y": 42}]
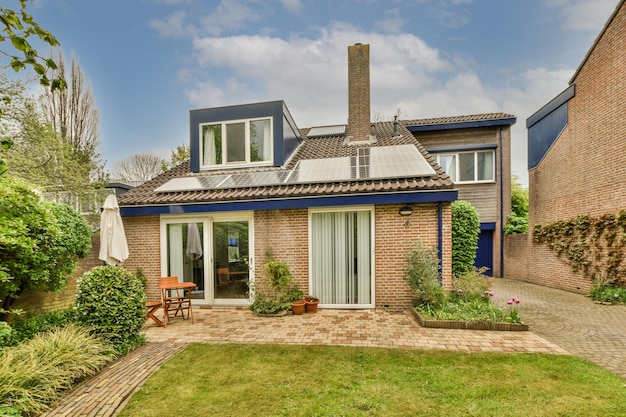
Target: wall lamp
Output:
[{"x": 405, "y": 211}]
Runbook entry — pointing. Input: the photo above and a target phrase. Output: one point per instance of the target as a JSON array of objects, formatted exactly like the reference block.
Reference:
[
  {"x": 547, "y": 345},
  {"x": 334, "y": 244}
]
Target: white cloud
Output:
[
  {"x": 173, "y": 26},
  {"x": 228, "y": 16},
  {"x": 392, "y": 23},
  {"x": 587, "y": 15},
  {"x": 292, "y": 6}
]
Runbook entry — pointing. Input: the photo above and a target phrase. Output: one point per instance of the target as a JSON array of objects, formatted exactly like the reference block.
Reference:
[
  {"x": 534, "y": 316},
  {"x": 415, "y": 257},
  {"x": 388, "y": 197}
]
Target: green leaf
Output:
[
  {"x": 51, "y": 64},
  {"x": 20, "y": 44},
  {"x": 6, "y": 143}
]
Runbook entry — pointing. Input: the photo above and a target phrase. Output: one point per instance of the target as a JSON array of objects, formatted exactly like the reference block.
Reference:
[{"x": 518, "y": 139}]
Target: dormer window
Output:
[{"x": 236, "y": 143}]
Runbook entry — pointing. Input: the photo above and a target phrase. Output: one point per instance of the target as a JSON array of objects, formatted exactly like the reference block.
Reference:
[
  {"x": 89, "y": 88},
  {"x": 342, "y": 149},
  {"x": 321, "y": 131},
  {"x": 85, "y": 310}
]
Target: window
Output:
[
  {"x": 341, "y": 257},
  {"x": 236, "y": 142},
  {"x": 476, "y": 166}
]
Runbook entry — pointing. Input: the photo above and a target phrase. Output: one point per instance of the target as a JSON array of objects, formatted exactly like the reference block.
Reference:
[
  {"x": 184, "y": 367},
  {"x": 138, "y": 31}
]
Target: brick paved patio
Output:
[{"x": 560, "y": 322}]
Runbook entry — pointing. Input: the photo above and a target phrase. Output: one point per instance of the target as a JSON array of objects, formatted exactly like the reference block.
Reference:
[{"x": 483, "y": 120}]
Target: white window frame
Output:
[
  {"x": 457, "y": 167},
  {"x": 247, "y": 161},
  {"x": 372, "y": 212}
]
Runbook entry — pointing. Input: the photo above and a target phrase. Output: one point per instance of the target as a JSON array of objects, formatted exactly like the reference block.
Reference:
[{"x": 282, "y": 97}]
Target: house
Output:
[
  {"x": 577, "y": 151},
  {"x": 475, "y": 151},
  {"x": 340, "y": 204}
]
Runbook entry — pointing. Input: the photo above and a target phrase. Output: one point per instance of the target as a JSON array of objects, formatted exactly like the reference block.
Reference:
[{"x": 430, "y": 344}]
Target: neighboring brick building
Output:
[{"x": 577, "y": 150}]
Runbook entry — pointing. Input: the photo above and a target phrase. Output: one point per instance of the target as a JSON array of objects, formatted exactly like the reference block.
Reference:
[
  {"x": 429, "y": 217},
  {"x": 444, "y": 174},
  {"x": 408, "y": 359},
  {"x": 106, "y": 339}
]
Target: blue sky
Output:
[{"x": 151, "y": 61}]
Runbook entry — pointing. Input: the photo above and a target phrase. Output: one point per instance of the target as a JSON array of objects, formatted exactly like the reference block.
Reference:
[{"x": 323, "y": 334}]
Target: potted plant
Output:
[
  {"x": 297, "y": 301},
  {"x": 281, "y": 292},
  {"x": 311, "y": 303}
]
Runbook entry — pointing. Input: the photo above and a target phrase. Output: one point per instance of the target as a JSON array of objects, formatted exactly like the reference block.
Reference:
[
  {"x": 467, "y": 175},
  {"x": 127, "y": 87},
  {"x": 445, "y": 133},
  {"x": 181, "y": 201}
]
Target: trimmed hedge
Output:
[{"x": 111, "y": 301}]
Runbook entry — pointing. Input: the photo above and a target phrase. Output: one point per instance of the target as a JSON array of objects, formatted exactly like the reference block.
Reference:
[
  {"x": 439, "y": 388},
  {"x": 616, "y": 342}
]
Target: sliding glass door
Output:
[
  {"x": 342, "y": 257},
  {"x": 231, "y": 260},
  {"x": 211, "y": 251}
]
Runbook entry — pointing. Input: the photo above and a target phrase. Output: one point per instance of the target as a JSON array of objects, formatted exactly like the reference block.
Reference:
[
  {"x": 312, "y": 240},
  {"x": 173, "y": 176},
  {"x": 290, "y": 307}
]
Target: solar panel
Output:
[
  {"x": 335, "y": 130},
  {"x": 322, "y": 170},
  {"x": 254, "y": 179},
  {"x": 191, "y": 184},
  {"x": 399, "y": 161}
]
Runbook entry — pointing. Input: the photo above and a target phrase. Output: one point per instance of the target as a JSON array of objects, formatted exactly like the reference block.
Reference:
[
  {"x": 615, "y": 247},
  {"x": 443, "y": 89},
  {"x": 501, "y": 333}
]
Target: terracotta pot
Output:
[
  {"x": 297, "y": 307},
  {"x": 311, "y": 306}
]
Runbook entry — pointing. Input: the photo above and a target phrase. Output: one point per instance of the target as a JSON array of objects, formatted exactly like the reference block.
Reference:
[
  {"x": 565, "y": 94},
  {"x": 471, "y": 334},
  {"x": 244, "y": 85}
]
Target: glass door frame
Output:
[{"x": 207, "y": 220}]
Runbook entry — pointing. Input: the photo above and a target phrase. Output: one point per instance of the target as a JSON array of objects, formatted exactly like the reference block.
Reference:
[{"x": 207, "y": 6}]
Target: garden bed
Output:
[{"x": 469, "y": 325}]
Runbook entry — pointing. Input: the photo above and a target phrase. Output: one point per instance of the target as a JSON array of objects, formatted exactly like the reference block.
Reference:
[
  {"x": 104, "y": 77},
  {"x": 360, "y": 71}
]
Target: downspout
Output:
[
  {"x": 440, "y": 240},
  {"x": 501, "y": 209}
]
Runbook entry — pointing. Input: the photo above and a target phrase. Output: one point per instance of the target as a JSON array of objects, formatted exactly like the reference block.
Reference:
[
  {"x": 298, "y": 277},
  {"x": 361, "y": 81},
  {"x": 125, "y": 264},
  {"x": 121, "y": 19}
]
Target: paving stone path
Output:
[{"x": 575, "y": 322}]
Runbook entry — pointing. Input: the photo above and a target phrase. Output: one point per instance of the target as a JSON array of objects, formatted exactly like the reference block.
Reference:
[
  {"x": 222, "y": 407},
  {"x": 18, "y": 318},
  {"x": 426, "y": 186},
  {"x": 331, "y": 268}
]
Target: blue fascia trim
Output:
[
  {"x": 488, "y": 226},
  {"x": 552, "y": 105},
  {"x": 462, "y": 125},
  {"x": 291, "y": 203},
  {"x": 462, "y": 148}
]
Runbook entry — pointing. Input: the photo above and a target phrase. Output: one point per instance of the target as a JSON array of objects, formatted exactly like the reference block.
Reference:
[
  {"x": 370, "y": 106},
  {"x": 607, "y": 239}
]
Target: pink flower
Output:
[{"x": 509, "y": 302}]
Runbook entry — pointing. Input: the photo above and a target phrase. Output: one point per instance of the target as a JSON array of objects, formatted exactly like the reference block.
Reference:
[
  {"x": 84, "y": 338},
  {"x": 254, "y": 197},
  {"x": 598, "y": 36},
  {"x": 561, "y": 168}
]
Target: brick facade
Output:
[
  {"x": 492, "y": 200},
  {"x": 286, "y": 232},
  {"x": 584, "y": 172},
  {"x": 37, "y": 302}
]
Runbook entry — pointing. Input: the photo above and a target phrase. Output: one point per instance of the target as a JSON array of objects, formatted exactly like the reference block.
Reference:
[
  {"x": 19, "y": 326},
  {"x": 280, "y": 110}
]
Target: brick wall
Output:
[
  {"x": 394, "y": 238},
  {"x": 36, "y": 302},
  {"x": 584, "y": 172},
  {"x": 286, "y": 231},
  {"x": 143, "y": 236},
  {"x": 359, "y": 118},
  {"x": 516, "y": 252}
]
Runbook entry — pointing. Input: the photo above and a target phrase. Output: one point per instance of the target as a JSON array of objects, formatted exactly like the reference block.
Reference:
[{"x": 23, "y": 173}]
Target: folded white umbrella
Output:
[{"x": 113, "y": 245}]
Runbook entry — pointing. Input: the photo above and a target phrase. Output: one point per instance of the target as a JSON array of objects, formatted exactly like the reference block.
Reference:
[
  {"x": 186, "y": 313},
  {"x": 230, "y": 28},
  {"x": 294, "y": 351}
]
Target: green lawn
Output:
[{"x": 276, "y": 380}]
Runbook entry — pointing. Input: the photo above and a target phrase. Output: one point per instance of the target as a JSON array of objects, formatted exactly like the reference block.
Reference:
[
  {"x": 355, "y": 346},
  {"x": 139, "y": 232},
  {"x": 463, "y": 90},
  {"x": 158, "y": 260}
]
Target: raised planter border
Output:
[{"x": 468, "y": 325}]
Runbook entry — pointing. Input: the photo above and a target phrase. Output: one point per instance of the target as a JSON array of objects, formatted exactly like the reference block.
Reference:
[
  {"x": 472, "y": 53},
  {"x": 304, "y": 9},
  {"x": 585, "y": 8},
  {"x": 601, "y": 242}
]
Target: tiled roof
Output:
[
  {"x": 311, "y": 148},
  {"x": 457, "y": 119}
]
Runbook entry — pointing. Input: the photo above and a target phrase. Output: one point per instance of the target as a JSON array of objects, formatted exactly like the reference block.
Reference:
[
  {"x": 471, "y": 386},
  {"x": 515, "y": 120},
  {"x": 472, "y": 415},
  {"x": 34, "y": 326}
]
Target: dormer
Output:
[{"x": 244, "y": 136}]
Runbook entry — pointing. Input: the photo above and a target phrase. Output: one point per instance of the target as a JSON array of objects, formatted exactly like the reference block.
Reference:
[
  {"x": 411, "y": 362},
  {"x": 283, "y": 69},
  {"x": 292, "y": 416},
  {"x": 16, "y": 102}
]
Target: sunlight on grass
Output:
[{"x": 276, "y": 380}]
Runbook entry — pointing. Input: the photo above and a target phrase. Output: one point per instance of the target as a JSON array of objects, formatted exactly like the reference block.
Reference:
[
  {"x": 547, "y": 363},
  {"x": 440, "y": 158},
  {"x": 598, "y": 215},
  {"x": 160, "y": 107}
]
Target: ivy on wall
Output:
[{"x": 593, "y": 246}]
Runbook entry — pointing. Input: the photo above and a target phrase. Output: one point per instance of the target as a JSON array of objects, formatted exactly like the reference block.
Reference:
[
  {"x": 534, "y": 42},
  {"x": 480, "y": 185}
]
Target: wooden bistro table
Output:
[{"x": 184, "y": 286}]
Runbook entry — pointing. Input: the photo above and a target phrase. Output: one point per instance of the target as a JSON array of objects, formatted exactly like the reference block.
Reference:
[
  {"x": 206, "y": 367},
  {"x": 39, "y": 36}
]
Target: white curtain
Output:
[
  {"x": 341, "y": 261},
  {"x": 176, "y": 262},
  {"x": 208, "y": 146},
  {"x": 267, "y": 142},
  {"x": 448, "y": 163},
  {"x": 485, "y": 166}
]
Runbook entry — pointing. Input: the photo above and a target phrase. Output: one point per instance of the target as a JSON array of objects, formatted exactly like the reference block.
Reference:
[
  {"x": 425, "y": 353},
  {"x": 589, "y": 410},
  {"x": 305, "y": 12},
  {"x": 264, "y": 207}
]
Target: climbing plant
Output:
[{"x": 593, "y": 246}]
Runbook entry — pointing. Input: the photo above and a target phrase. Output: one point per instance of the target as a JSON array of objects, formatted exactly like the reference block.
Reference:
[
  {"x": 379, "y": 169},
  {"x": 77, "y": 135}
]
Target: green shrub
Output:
[
  {"x": 5, "y": 334},
  {"x": 33, "y": 374},
  {"x": 608, "y": 294},
  {"x": 422, "y": 274},
  {"x": 27, "y": 327},
  {"x": 465, "y": 231},
  {"x": 471, "y": 285},
  {"x": 111, "y": 301}
]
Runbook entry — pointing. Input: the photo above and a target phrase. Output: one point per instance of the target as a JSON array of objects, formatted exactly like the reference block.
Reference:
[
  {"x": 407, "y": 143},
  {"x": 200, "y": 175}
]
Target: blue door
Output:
[{"x": 484, "y": 254}]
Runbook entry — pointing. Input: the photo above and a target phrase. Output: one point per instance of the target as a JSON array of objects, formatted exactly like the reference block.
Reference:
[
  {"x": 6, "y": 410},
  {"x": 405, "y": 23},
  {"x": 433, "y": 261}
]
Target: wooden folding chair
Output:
[{"x": 176, "y": 298}]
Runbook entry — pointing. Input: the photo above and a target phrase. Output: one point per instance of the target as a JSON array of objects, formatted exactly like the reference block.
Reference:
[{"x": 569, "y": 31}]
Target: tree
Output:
[
  {"x": 18, "y": 27},
  {"x": 40, "y": 242},
  {"x": 517, "y": 221},
  {"x": 72, "y": 113},
  {"x": 465, "y": 231},
  {"x": 138, "y": 167},
  {"x": 178, "y": 156}
]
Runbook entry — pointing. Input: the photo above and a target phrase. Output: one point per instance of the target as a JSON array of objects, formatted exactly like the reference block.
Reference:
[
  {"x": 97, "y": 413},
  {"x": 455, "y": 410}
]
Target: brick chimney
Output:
[{"x": 359, "y": 122}]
